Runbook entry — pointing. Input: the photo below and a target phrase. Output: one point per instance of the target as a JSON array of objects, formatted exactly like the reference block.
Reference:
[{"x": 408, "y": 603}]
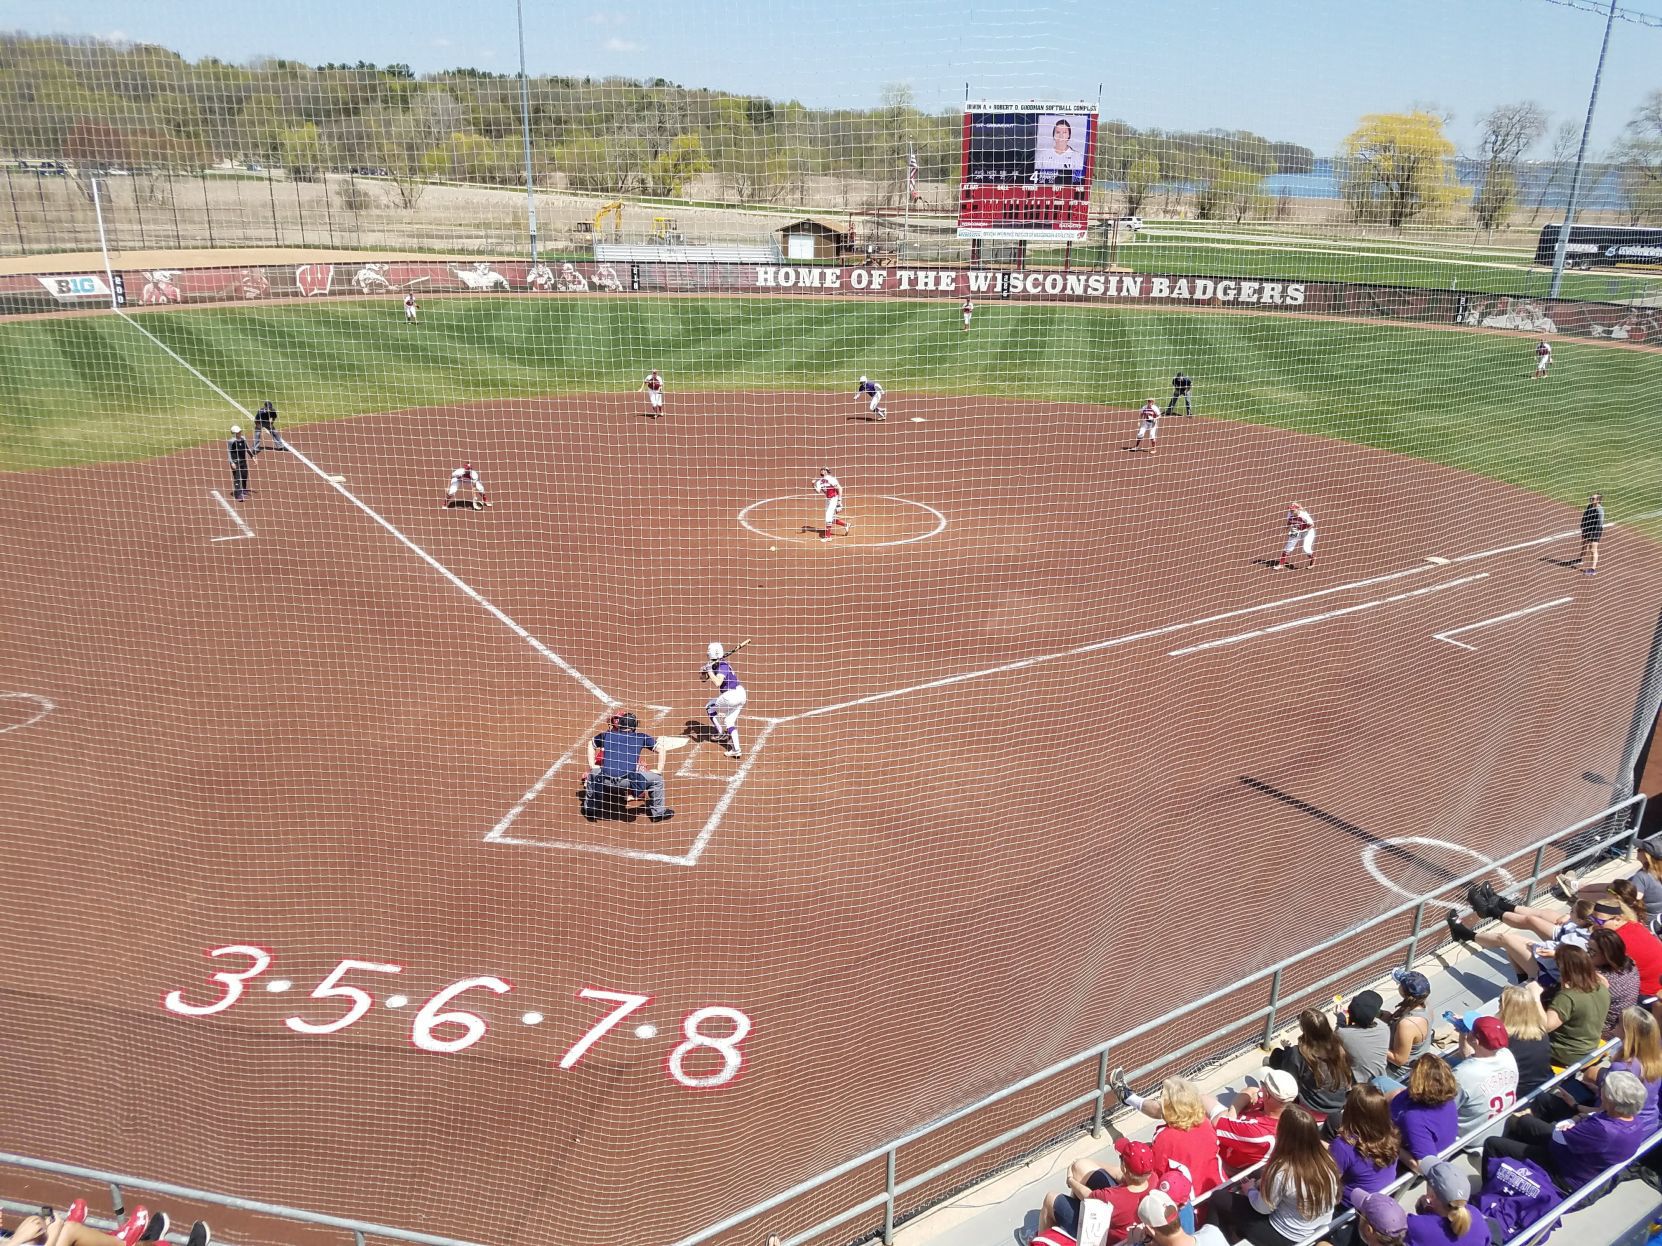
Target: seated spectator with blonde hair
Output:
[
  {"x": 1186, "y": 1139},
  {"x": 1442, "y": 1217},
  {"x": 1640, "y": 1054},
  {"x": 1526, "y": 1037},
  {"x": 1426, "y": 1113},
  {"x": 1245, "y": 1130}
]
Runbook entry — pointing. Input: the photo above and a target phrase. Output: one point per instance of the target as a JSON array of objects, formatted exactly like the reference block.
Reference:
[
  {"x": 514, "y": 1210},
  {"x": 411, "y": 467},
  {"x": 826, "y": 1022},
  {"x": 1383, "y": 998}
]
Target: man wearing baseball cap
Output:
[
  {"x": 1487, "y": 1076},
  {"x": 1247, "y": 1131},
  {"x": 1062, "y": 1210},
  {"x": 1161, "y": 1215},
  {"x": 237, "y": 451},
  {"x": 1367, "y": 1042},
  {"x": 1380, "y": 1219}
]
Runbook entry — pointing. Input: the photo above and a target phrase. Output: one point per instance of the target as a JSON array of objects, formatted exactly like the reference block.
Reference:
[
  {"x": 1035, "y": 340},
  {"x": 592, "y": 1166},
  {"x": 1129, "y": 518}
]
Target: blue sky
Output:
[{"x": 1303, "y": 70}]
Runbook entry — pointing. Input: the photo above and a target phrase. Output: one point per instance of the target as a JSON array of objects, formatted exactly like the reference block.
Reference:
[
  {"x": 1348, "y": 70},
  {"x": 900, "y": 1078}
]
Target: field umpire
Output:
[
  {"x": 1181, "y": 385},
  {"x": 236, "y": 449},
  {"x": 265, "y": 423}
]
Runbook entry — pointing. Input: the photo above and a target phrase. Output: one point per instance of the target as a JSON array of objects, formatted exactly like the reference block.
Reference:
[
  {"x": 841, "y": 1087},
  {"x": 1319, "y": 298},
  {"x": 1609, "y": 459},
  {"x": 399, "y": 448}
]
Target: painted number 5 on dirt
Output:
[{"x": 701, "y": 1060}]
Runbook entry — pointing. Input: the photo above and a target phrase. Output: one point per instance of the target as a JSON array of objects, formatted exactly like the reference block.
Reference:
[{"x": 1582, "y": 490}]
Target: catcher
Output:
[{"x": 724, "y": 709}]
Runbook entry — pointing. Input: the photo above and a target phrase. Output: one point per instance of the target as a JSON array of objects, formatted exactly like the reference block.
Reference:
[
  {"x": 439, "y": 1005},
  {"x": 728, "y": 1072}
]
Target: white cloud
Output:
[
  {"x": 614, "y": 44},
  {"x": 115, "y": 36},
  {"x": 443, "y": 43},
  {"x": 603, "y": 18}
]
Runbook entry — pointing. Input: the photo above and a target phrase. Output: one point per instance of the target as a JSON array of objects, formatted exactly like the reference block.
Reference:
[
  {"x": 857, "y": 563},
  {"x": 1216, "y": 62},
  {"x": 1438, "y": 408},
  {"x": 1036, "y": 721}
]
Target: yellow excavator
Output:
[{"x": 615, "y": 211}]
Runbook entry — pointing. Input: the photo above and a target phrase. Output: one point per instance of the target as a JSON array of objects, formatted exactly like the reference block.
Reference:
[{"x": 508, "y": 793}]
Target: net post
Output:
[
  {"x": 1275, "y": 1004},
  {"x": 525, "y": 128},
  {"x": 103, "y": 241},
  {"x": 1414, "y": 938},
  {"x": 888, "y": 1196},
  {"x": 1097, "y": 1119},
  {"x": 1559, "y": 251}
]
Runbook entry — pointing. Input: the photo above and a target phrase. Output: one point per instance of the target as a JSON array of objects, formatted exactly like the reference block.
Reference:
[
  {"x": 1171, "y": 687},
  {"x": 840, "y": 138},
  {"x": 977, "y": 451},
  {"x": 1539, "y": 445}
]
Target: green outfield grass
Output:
[
  {"x": 92, "y": 389},
  {"x": 1311, "y": 259}
]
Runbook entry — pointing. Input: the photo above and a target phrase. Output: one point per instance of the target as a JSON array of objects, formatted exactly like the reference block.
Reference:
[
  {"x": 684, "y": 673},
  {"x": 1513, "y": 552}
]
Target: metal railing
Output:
[{"x": 888, "y": 1199}]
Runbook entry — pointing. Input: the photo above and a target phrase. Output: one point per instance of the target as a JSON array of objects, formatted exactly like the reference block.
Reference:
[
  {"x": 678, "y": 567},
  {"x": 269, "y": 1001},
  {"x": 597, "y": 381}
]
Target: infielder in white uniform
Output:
[
  {"x": 831, "y": 489},
  {"x": 409, "y": 309},
  {"x": 654, "y": 387},
  {"x": 1543, "y": 358},
  {"x": 1301, "y": 534},
  {"x": 465, "y": 475},
  {"x": 723, "y": 711},
  {"x": 1148, "y": 425}
]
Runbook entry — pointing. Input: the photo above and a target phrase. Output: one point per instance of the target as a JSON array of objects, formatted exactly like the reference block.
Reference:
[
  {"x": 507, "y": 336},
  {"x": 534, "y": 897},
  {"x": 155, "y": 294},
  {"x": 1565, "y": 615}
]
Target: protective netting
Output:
[{"x": 1201, "y": 572}]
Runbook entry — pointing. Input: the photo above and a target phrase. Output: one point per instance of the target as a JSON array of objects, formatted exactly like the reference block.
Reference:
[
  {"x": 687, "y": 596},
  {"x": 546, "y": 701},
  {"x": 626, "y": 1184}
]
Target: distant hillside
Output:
[{"x": 100, "y": 104}]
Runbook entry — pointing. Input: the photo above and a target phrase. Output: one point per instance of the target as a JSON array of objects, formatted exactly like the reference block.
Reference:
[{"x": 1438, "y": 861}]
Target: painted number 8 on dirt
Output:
[{"x": 707, "y": 1056}]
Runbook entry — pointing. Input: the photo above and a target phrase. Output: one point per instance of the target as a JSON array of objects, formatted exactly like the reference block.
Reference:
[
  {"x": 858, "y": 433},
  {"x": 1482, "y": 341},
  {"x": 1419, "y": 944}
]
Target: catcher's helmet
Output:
[
  {"x": 715, "y": 651},
  {"x": 625, "y": 721}
]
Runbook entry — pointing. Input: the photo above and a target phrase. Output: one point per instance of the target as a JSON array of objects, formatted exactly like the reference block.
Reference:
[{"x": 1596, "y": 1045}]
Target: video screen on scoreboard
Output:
[{"x": 1027, "y": 171}]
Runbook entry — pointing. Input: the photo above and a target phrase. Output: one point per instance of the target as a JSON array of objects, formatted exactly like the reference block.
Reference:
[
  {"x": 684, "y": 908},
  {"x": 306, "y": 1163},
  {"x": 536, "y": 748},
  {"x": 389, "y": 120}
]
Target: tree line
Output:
[{"x": 99, "y": 105}]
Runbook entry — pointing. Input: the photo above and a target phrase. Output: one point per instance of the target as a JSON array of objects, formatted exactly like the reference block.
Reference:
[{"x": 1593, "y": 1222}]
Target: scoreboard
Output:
[{"x": 1027, "y": 171}]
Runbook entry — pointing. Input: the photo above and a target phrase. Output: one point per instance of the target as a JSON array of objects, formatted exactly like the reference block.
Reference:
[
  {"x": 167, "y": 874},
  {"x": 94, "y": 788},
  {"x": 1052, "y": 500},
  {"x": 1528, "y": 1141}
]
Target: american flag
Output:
[{"x": 912, "y": 173}]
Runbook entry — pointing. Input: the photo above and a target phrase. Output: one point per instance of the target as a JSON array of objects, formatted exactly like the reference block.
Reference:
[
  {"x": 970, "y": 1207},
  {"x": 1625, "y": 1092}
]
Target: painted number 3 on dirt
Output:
[{"x": 707, "y": 1056}]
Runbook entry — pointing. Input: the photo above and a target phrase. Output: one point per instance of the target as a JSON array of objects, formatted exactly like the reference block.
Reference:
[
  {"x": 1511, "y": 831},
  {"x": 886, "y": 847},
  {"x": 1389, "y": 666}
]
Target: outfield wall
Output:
[{"x": 36, "y": 294}]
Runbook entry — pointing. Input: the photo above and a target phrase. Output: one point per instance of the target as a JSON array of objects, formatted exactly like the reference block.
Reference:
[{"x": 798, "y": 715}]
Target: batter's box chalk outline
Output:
[
  {"x": 499, "y": 834},
  {"x": 816, "y": 501},
  {"x": 43, "y": 707},
  {"x": 237, "y": 519}
]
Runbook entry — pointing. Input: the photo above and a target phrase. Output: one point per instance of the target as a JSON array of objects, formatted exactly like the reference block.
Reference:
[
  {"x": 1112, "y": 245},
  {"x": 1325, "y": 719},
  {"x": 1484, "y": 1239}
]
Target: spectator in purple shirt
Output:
[
  {"x": 1576, "y": 1151},
  {"x": 1427, "y": 1114},
  {"x": 1442, "y": 1218},
  {"x": 1367, "y": 1143}
]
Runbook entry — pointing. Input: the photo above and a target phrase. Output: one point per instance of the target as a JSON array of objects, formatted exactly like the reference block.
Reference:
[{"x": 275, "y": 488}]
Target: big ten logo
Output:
[{"x": 76, "y": 286}]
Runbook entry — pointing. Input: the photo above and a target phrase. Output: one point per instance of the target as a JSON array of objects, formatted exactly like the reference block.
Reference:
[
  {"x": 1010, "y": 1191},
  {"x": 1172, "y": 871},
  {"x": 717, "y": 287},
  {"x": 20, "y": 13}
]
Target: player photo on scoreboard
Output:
[{"x": 1059, "y": 146}]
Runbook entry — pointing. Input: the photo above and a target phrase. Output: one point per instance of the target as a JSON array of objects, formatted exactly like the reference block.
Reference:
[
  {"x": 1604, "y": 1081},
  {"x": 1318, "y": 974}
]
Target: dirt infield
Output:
[{"x": 992, "y": 763}]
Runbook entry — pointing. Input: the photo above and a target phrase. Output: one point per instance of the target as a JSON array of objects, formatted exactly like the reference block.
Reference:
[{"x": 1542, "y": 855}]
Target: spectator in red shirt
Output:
[
  {"x": 1136, "y": 1165},
  {"x": 1616, "y": 912},
  {"x": 1246, "y": 1131},
  {"x": 1186, "y": 1139}
]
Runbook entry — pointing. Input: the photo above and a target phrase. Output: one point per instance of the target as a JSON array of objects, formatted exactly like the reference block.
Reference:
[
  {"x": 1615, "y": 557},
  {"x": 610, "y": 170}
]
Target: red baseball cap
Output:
[
  {"x": 1490, "y": 1032},
  {"x": 1137, "y": 1156},
  {"x": 1174, "y": 1183}
]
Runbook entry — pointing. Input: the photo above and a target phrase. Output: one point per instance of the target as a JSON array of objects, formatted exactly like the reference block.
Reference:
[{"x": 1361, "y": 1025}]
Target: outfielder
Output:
[
  {"x": 1543, "y": 358},
  {"x": 1148, "y": 425},
  {"x": 409, "y": 307},
  {"x": 969, "y": 310},
  {"x": 723, "y": 711},
  {"x": 831, "y": 489},
  {"x": 466, "y": 475},
  {"x": 871, "y": 389},
  {"x": 654, "y": 387},
  {"x": 1301, "y": 534}
]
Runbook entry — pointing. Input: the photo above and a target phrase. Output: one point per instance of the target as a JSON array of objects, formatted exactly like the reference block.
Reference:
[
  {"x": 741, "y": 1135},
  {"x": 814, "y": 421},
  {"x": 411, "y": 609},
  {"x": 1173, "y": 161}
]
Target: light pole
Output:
[
  {"x": 1580, "y": 159},
  {"x": 525, "y": 126}
]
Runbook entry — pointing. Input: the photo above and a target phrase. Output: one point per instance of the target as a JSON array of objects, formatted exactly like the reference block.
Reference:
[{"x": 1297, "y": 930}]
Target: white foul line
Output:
[
  {"x": 1499, "y": 618},
  {"x": 235, "y": 518},
  {"x": 1110, "y": 643},
  {"x": 593, "y": 688},
  {"x": 1330, "y": 614},
  {"x": 733, "y": 785}
]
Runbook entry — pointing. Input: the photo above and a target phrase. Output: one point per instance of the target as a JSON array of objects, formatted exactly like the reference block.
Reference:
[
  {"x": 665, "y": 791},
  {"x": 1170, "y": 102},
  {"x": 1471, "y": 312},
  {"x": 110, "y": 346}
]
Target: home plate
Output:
[
  {"x": 1437, "y": 562},
  {"x": 917, "y": 419},
  {"x": 339, "y": 480}
]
